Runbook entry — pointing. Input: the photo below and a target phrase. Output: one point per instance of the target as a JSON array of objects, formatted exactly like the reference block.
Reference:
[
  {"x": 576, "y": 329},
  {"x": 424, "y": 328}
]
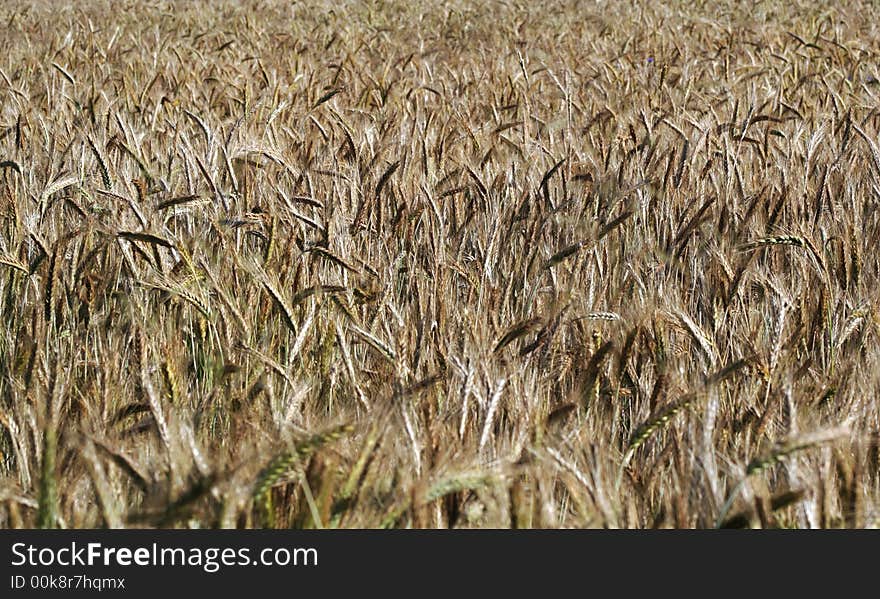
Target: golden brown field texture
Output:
[{"x": 458, "y": 264}]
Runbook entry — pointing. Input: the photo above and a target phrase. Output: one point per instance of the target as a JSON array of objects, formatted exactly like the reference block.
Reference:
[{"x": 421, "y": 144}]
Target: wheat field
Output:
[{"x": 463, "y": 264}]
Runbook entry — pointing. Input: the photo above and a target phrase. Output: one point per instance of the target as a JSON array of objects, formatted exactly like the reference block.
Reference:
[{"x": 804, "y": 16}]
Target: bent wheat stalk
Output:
[{"x": 777, "y": 454}]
